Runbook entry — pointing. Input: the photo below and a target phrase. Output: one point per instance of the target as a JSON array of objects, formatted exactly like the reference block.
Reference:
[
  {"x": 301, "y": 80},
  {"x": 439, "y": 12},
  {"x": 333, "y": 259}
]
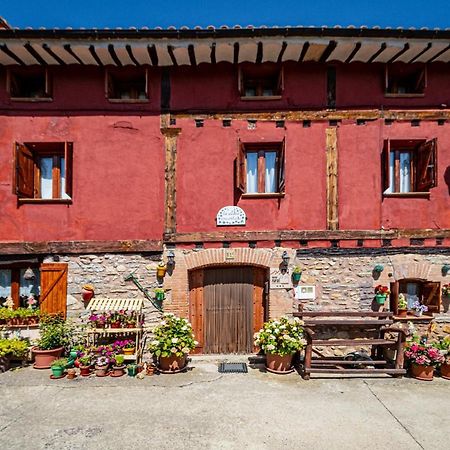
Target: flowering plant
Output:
[
  {"x": 381, "y": 290},
  {"x": 87, "y": 287},
  {"x": 446, "y": 290},
  {"x": 102, "y": 361},
  {"x": 105, "y": 351},
  {"x": 417, "y": 306},
  {"x": 402, "y": 302},
  {"x": 117, "y": 346},
  {"x": 98, "y": 319},
  {"x": 173, "y": 336},
  {"x": 424, "y": 355},
  {"x": 281, "y": 337},
  {"x": 444, "y": 347}
]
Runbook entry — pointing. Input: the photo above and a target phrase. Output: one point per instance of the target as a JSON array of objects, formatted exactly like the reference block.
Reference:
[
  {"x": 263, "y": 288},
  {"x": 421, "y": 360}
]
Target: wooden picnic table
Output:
[{"x": 371, "y": 327}]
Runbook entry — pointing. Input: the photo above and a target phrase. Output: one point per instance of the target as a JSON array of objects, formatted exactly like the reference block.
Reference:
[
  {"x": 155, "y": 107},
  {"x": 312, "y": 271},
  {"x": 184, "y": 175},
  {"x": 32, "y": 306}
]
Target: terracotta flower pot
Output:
[
  {"x": 424, "y": 373},
  {"x": 43, "y": 358},
  {"x": 87, "y": 294},
  {"x": 402, "y": 312},
  {"x": 71, "y": 374},
  {"x": 4, "y": 363},
  {"x": 101, "y": 371},
  {"x": 445, "y": 371},
  {"x": 117, "y": 371},
  {"x": 85, "y": 371},
  {"x": 115, "y": 324},
  {"x": 278, "y": 364},
  {"x": 172, "y": 363}
]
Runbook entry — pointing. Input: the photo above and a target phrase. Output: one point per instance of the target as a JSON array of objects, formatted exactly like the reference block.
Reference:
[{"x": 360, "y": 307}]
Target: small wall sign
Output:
[
  {"x": 303, "y": 292},
  {"x": 279, "y": 280},
  {"x": 229, "y": 255},
  {"x": 230, "y": 216}
]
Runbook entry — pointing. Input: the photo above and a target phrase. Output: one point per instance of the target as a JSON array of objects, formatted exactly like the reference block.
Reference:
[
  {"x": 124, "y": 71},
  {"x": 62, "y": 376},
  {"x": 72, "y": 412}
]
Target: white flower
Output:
[
  {"x": 272, "y": 336},
  {"x": 155, "y": 342},
  {"x": 169, "y": 314},
  {"x": 270, "y": 347},
  {"x": 185, "y": 350},
  {"x": 174, "y": 340},
  {"x": 286, "y": 337},
  {"x": 276, "y": 331},
  {"x": 282, "y": 327},
  {"x": 184, "y": 328},
  {"x": 163, "y": 322},
  {"x": 173, "y": 350},
  {"x": 185, "y": 321},
  {"x": 195, "y": 342}
]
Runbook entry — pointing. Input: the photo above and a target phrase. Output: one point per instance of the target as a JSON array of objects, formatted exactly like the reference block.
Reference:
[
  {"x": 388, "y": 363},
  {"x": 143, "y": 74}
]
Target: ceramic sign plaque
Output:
[
  {"x": 279, "y": 280},
  {"x": 231, "y": 216},
  {"x": 303, "y": 292}
]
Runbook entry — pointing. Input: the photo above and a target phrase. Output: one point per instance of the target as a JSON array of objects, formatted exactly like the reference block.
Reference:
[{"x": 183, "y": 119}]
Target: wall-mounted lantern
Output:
[
  {"x": 170, "y": 260},
  {"x": 445, "y": 269},
  {"x": 29, "y": 274},
  {"x": 284, "y": 262},
  {"x": 378, "y": 268}
]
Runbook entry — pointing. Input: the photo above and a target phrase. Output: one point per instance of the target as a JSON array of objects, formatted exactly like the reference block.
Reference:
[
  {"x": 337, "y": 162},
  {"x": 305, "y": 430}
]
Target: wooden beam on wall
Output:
[
  {"x": 79, "y": 247},
  {"x": 170, "y": 145},
  {"x": 332, "y": 178}
]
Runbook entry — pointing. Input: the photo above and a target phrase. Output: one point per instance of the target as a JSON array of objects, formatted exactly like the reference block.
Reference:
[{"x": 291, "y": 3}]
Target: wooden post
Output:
[
  {"x": 170, "y": 145},
  {"x": 332, "y": 179}
]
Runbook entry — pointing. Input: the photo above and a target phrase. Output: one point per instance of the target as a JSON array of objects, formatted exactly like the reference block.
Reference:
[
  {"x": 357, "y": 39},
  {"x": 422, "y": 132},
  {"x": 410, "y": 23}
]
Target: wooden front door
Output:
[{"x": 227, "y": 308}]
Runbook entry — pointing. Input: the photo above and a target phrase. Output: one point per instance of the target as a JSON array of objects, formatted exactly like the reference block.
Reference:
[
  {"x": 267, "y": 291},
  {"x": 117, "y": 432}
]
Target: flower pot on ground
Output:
[
  {"x": 444, "y": 347},
  {"x": 423, "y": 359},
  {"x": 71, "y": 373},
  {"x": 55, "y": 334},
  {"x": 118, "y": 368},
  {"x": 174, "y": 339},
  {"x": 58, "y": 367},
  {"x": 280, "y": 340},
  {"x": 102, "y": 366},
  {"x": 85, "y": 365},
  {"x": 132, "y": 370}
]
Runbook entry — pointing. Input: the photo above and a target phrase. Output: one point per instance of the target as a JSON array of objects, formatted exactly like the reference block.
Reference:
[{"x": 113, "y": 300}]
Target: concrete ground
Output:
[{"x": 203, "y": 409}]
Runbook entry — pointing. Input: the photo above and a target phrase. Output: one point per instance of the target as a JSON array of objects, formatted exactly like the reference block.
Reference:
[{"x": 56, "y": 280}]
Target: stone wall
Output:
[{"x": 107, "y": 272}]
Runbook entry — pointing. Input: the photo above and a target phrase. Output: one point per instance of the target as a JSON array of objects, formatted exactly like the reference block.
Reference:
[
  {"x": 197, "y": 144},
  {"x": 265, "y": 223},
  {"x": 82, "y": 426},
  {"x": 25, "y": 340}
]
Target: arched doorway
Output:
[{"x": 227, "y": 306}]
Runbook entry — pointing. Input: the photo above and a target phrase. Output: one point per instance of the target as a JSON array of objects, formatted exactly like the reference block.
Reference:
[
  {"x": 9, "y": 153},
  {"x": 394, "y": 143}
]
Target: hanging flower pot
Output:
[
  {"x": 161, "y": 270},
  {"x": 87, "y": 292},
  {"x": 160, "y": 294},
  {"x": 380, "y": 298}
]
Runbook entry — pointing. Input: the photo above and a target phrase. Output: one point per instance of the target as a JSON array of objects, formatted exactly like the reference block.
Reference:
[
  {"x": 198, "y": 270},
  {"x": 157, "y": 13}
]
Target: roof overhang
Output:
[{"x": 193, "y": 47}]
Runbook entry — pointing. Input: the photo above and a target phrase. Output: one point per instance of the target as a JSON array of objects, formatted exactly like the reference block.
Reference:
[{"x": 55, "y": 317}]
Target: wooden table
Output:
[{"x": 371, "y": 327}]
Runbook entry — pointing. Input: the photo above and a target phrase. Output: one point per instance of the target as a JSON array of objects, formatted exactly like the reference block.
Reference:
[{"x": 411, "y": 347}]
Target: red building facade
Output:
[{"x": 119, "y": 147}]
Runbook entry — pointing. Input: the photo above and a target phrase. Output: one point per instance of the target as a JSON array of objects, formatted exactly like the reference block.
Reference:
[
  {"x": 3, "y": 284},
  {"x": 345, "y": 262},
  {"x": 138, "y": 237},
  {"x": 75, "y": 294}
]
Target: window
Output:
[
  {"x": 260, "y": 169},
  {"x": 19, "y": 283},
  {"x": 427, "y": 293},
  {"x": 405, "y": 80},
  {"x": 260, "y": 82},
  {"x": 43, "y": 171},
  {"x": 29, "y": 84},
  {"x": 126, "y": 85},
  {"x": 409, "y": 166}
]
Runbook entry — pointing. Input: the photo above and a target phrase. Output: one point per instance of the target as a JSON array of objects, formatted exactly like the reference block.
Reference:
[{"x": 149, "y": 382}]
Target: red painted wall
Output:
[{"x": 117, "y": 179}]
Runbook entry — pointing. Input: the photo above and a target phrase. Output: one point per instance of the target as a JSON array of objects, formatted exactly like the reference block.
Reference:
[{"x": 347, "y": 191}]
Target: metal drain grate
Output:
[{"x": 226, "y": 367}]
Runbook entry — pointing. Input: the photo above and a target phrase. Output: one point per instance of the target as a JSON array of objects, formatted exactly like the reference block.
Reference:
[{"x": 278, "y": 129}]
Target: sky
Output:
[{"x": 153, "y": 13}]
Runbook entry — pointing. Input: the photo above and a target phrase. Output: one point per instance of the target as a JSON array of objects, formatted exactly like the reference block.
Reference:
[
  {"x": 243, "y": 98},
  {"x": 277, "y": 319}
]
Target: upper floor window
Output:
[
  {"x": 405, "y": 80},
  {"x": 29, "y": 84},
  {"x": 260, "y": 169},
  {"x": 130, "y": 85},
  {"x": 409, "y": 166},
  {"x": 43, "y": 171},
  {"x": 258, "y": 82}
]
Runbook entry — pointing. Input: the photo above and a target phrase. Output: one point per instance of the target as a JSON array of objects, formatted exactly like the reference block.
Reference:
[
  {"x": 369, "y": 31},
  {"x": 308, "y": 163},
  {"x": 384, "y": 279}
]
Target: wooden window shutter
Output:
[
  {"x": 241, "y": 175},
  {"x": 282, "y": 167},
  {"x": 393, "y": 298},
  {"x": 53, "y": 298},
  {"x": 68, "y": 158},
  {"x": 280, "y": 84},
  {"x": 48, "y": 83},
  {"x": 109, "y": 85},
  {"x": 23, "y": 171},
  {"x": 241, "y": 82},
  {"x": 385, "y": 172},
  {"x": 431, "y": 296},
  {"x": 146, "y": 83},
  {"x": 427, "y": 166},
  {"x": 421, "y": 83}
]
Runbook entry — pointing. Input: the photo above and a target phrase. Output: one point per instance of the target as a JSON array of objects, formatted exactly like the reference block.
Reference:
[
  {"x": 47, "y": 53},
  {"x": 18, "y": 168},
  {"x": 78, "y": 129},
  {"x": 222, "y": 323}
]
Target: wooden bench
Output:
[{"x": 371, "y": 328}]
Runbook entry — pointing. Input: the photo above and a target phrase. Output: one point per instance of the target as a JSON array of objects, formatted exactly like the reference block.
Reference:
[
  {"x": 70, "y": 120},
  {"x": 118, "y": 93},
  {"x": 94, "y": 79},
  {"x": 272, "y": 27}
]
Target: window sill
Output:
[
  {"x": 128, "y": 100},
  {"x": 264, "y": 195},
  {"x": 412, "y": 317},
  {"x": 261, "y": 97},
  {"x": 412, "y": 95},
  {"x": 62, "y": 201},
  {"x": 32, "y": 99},
  {"x": 408, "y": 194}
]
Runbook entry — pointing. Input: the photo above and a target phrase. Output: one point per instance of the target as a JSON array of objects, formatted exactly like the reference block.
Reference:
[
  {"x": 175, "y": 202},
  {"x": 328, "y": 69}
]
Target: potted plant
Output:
[
  {"x": 446, "y": 290},
  {"x": 55, "y": 334},
  {"x": 444, "y": 347},
  {"x": 160, "y": 294},
  {"x": 423, "y": 358},
  {"x": 87, "y": 292},
  {"x": 402, "y": 306},
  {"x": 85, "y": 365},
  {"x": 161, "y": 270},
  {"x": 296, "y": 274},
  {"x": 419, "y": 309},
  {"x": 58, "y": 367},
  {"x": 381, "y": 293},
  {"x": 174, "y": 339},
  {"x": 129, "y": 347},
  {"x": 101, "y": 366},
  {"x": 11, "y": 348},
  {"x": 280, "y": 339},
  {"x": 118, "y": 366}
]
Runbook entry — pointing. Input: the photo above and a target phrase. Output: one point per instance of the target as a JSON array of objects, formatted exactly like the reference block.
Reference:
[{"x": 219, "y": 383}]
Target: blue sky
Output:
[{"x": 152, "y": 13}]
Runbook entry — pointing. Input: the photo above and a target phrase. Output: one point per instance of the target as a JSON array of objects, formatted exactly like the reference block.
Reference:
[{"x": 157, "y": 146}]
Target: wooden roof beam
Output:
[
  {"x": 303, "y": 52},
  {"x": 213, "y": 53},
  {"x": 354, "y": 52},
  {"x": 151, "y": 49},
  {"x": 35, "y": 54},
  {"x": 94, "y": 55},
  {"x": 259, "y": 53},
  {"x": 11, "y": 54},
  {"x": 283, "y": 49},
  {"x": 113, "y": 54},
  {"x": 191, "y": 53},
  {"x": 439, "y": 54},
  {"x": 172, "y": 55},
  {"x": 378, "y": 52},
  {"x": 53, "y": 55},
  {"x": 328, "y": 51},
  {"x": 131, "y": 55},
  {"x": 69, "y": 50},
  {"x": 397, "y": 55}
]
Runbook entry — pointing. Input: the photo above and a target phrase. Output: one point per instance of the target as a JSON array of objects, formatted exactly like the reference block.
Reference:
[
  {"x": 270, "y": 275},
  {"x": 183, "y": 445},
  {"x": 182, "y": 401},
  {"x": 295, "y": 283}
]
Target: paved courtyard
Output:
[{"x": 203, "y": 409}]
